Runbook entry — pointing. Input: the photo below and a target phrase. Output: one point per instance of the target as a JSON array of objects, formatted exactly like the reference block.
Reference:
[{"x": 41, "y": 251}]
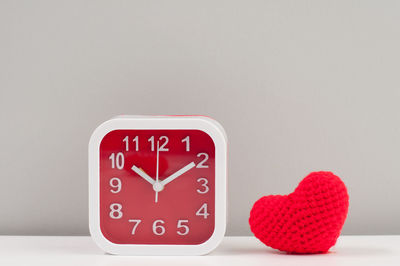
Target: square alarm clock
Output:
[{"x": 157, "y": 185}]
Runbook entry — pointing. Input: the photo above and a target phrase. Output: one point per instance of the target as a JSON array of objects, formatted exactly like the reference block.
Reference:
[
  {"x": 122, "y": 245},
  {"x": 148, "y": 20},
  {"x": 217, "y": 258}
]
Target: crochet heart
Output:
[{"x": 309, "y": 220}]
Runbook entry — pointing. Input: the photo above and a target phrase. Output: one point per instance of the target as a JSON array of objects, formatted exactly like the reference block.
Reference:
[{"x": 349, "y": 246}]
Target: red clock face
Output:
[{"x": 157, "y": 186}]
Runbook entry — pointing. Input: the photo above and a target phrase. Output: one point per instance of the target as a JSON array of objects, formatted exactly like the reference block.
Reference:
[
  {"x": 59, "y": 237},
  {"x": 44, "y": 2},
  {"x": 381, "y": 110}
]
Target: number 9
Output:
[{"x": 115, "y": 183}]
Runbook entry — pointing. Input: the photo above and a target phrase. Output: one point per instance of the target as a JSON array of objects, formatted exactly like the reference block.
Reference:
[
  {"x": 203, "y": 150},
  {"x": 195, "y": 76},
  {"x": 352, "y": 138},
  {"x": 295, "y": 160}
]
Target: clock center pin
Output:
[{"x": 157, "y": 186}]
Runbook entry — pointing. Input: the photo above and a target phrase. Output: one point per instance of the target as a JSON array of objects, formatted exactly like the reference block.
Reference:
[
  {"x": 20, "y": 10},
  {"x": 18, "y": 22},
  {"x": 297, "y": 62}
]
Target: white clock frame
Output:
[{"x": 205, "y": 124}]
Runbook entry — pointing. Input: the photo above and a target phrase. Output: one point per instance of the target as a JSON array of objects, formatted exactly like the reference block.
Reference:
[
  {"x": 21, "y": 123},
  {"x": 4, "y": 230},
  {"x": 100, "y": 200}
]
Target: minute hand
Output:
[{"x": 178, "y": 173}]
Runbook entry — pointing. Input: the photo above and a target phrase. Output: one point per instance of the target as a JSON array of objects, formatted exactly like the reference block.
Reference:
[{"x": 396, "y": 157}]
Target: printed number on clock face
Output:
[{"x": 157, "y": 186}]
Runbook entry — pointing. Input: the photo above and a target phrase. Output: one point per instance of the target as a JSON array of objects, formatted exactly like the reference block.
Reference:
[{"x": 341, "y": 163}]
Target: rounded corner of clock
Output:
[
  {"x": 213, "y": 128},
  {"x": 101, "y": 131},
  {"x": 211, "y": 244},
  {"x": 100, "y": 240}
]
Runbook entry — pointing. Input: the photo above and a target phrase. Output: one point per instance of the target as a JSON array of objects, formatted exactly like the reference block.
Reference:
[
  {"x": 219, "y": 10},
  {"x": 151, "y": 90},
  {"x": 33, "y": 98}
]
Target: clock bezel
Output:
[{"x": 205, "y": 124}]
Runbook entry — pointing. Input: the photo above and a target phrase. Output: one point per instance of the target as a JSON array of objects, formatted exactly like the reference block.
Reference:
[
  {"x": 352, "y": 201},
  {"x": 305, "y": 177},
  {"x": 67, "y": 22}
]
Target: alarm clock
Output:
[{"x": 157, "y": 185}]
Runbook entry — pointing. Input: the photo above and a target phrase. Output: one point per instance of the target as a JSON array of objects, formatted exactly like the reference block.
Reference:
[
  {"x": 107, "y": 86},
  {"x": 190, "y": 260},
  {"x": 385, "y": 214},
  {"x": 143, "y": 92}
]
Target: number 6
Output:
[{"x": 158, "y": 229}]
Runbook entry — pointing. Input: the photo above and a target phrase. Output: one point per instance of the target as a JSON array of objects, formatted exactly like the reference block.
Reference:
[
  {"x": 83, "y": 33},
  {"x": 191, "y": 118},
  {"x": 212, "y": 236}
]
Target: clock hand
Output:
[
  {"x": 141, "y": 173},
  {"x": 157, "y": 166},
  {"x": 178, "y": 173}
]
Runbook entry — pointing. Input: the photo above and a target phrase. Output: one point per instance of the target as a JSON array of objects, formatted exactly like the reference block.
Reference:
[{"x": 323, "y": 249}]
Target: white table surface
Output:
[{"x": 243, "y": 251}]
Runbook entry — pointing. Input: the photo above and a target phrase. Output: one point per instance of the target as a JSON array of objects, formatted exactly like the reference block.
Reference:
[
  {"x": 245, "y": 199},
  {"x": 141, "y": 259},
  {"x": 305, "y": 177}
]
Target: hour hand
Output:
[{"x": 141, "y": 173}]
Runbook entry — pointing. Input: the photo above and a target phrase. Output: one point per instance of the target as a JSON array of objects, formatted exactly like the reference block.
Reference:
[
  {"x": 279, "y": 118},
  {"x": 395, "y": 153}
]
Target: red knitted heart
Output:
[{"x": 309, "y": 220}]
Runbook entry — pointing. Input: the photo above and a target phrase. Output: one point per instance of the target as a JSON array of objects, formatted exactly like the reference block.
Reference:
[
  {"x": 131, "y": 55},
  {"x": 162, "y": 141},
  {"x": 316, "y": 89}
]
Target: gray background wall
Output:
[{"x": 298, "y": 85}]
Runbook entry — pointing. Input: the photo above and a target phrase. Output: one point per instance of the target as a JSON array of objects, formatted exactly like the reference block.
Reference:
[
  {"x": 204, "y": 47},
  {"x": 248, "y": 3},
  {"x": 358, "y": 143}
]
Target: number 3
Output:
[{"x": 204, "y": 184}]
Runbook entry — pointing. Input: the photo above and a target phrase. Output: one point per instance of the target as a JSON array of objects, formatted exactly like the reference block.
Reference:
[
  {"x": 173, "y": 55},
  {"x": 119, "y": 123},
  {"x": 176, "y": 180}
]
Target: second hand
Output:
[{"x": 158, "y": 151}]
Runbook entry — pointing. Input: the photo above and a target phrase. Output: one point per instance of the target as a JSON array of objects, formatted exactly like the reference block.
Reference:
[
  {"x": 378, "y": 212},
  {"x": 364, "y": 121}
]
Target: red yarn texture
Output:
[{"x": 309, "y": 220}]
